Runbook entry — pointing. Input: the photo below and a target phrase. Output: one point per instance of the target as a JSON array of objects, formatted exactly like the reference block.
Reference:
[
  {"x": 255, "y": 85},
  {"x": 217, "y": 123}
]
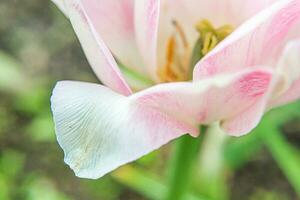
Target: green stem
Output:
[
  {"x": 185, "y": 152},
  {"x": 212, "y": 173}
]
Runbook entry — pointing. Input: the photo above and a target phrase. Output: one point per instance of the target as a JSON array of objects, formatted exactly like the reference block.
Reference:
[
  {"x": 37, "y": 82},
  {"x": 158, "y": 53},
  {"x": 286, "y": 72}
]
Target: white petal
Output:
[{"x": 99, "y": 130}]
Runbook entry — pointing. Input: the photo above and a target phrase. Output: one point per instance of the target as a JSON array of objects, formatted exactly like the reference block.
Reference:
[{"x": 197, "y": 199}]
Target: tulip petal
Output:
[
  {"x": 256, "y": 42},
  {"x": 61, "y": 5},
  {"x": 289, "y": 62},
  {"x": 114, "y": 21},
  {"x": 117, "y": 29},
  {"x": 292, "y": 94},
  {"x": 241, "y": 124},
  {"x": 96, "y": 51},
  {"x": 99, "y": 130},
  {"x": 219, "y": 12},
  {"x": 146, "y": 25},
  {"x": 189, "y": 12},
  {"x": 218, "y": 98},
  {"x": 289, "y": 67}
]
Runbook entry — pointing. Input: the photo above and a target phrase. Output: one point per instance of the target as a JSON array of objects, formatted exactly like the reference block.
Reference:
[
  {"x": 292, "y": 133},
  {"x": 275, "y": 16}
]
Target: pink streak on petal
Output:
[
  {"x": 241, "y": 124},
  {"x": 150, "y": 116},
  {"x": 281, "y": 26},
  {"x": 146, "y": 29},
  {"x": 254, "y": 85},
  {"x": 127, "y": 16},
  {"x": 210, "y": 100}
]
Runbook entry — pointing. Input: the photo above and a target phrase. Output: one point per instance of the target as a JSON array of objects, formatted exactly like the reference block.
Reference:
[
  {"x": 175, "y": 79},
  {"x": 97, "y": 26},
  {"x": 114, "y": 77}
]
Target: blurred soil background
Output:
[{"x": 37, "y": 48}]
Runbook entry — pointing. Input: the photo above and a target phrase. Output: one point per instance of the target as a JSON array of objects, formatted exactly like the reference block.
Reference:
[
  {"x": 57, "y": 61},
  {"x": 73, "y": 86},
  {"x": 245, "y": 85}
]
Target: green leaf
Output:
[
  {"x": 11, "y": 163},
  {"x": 37, "y": 187},
  {"x": 4, "y": 188},
  {"x": 11, "y": 77},
  {"x": 145, "y": 183},
  {"x": 240, "y": 150},
  {"x": 285, "y": 155},
  {"x": 41, "y": 129},
  {"x": 33, "y": 101}
]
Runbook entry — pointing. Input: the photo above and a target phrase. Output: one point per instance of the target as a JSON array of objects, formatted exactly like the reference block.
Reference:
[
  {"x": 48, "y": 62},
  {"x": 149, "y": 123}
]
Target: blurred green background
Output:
[{"x": 38, "y": 48}]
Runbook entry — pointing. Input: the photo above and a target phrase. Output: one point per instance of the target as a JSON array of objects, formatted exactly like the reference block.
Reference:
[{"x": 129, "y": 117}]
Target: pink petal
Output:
[
  {"x": 219, "y": 98},
  {"x": 292, "y": 94},
  {"x": 289, "y": 67},
  {"x": 241, "y": 124},
  {"x": 114, "y": 21},
  {"x": 146, "y": 25},
  {"x": 188, "y": 12},
  {"x": 99, "y": 130},
  {"x": 257, "y": 42},
  {"x": 96, "y": 51}
]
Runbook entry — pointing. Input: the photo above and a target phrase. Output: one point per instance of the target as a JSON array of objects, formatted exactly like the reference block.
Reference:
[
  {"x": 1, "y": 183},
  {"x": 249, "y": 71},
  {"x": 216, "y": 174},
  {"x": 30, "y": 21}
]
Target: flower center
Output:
[{"x": 180, "y": 61}]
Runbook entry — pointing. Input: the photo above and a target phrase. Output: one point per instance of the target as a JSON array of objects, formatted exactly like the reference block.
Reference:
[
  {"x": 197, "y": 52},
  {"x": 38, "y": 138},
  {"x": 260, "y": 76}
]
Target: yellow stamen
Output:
[
  {"x": 211, "y": 36},
  {"x": 178, "y": 55},
  {"x": 181, "y": 33},
  {"x": 224, "y": 31},
  {"x": 210, "y": 41}
]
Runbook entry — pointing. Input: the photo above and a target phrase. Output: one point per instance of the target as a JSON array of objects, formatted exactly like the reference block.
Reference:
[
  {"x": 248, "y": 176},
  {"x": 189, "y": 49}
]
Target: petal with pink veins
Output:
[
  {"x": 99, "y": 130},
  {"x": 247, "y": 120},
  {"x": 219, "y": 98},
  {"x": 146, "y": 27},
  {"x": 257, "y": 42},
  {"x": 96, "y": 51}
]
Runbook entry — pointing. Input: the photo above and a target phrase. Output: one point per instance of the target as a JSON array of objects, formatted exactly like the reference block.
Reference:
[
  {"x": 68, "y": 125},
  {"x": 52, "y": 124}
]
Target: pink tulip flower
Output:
[{"x": 143, "y": 52}]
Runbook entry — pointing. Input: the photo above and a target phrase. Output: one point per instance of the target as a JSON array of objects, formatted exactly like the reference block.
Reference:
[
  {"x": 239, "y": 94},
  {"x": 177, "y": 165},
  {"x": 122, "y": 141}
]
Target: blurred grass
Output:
[{"x": 37, "y": 48}]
